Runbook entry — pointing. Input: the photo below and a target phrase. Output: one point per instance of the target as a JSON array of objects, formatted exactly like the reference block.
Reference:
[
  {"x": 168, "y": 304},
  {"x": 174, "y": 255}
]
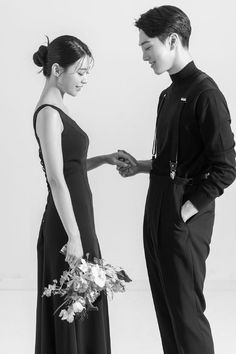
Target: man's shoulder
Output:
[
  {"x": 164, "y": 92},
  {"x": 207, "y": 93},
  {"x": 206, "y": 85}
]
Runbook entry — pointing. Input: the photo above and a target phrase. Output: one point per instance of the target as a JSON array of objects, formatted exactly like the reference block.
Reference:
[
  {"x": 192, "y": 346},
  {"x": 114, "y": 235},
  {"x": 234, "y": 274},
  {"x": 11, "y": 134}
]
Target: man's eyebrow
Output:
[{"x": 144, "y": 43}]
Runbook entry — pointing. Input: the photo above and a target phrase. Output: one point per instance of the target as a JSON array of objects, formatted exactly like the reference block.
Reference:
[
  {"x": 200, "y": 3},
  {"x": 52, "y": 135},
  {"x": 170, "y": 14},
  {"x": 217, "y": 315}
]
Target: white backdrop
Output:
[{"x": 117, "y": 109}]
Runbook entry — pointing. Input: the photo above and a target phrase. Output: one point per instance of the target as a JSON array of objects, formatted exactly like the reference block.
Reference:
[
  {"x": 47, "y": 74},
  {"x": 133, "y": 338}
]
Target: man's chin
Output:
[{"x": 158, "y": 71}]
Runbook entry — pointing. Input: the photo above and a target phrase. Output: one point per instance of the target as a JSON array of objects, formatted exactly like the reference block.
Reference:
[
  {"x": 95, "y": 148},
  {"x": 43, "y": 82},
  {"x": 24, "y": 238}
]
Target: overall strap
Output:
[
  {"x": 173, "y": 162},
  {"x": 154, "y": 145}
]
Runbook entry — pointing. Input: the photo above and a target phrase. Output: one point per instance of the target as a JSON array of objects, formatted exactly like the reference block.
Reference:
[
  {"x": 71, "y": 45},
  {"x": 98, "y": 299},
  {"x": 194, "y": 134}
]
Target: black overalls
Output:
[{"x": 175, "y": 254}]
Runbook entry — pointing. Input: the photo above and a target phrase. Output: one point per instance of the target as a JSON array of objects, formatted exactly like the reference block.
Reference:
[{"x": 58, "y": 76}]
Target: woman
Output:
[{"x": 68, "y": 217}]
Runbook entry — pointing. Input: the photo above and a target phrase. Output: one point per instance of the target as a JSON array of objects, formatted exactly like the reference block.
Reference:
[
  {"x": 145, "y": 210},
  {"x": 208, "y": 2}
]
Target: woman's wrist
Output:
[
  {"x": 73, "y": 238},
  {"x": 106, "y": 159}
]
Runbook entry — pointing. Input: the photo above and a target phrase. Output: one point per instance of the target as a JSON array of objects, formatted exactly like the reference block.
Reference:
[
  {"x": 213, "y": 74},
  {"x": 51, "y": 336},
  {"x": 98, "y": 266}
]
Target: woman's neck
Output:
[{"x": 51, "y": 94}]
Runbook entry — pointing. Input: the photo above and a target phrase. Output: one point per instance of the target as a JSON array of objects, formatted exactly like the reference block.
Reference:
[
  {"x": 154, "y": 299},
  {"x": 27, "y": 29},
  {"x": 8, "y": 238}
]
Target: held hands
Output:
[
  {"x": 132, "y": 164},
  {"x": 128, "y": 166},
  {"x": 122, "y": 160},
  {"x": 188, "y": 210}
]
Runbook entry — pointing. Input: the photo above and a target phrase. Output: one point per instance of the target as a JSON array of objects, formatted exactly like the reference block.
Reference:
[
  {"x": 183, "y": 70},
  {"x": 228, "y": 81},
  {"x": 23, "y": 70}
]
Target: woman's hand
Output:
[
  {"x": 74, "y": 251},
  {"x": 133, "y": 165},
  {"x": 113, "y": 159},
  {"x": 120, "y": 159},
  {"x": 127, "y": 158}
]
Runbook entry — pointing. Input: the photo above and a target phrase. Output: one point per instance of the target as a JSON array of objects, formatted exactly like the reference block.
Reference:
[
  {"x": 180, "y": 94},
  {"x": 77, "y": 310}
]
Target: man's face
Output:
[{"x": 158, "y": 54}]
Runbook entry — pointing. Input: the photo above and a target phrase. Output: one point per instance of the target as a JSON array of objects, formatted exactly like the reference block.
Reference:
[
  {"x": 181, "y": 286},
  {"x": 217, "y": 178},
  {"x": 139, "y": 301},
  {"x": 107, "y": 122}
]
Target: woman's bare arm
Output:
[{"x": 111, "y": 159}]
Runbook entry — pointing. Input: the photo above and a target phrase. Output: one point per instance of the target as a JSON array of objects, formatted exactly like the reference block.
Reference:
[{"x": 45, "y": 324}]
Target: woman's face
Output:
[{"x": 73, "y": 78}]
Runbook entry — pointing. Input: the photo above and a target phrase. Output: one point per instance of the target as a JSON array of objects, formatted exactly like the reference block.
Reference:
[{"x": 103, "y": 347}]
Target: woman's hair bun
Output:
[{"x": 40, "y": 57}]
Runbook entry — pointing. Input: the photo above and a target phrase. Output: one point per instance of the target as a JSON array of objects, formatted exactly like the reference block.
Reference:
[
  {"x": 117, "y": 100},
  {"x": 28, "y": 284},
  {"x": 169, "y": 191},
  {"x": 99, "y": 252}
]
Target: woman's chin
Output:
[{"x": 73, "y": 93}]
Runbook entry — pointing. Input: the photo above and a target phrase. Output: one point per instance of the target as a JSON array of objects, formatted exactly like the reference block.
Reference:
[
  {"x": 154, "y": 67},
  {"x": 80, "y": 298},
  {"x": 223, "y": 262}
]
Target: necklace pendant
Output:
[
  {"x": 172, "y": 174},
  {"x": 173, "y": 167}
]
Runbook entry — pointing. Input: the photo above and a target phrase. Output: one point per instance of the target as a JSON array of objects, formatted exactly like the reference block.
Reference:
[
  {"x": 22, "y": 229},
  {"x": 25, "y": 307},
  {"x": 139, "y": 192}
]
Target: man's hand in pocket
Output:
[{"x": 188, "y": 210}]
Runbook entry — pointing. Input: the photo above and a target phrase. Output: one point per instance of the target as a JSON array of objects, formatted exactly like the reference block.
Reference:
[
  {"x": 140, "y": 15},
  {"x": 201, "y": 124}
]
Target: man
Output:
[{"x": 193, "y": 162}]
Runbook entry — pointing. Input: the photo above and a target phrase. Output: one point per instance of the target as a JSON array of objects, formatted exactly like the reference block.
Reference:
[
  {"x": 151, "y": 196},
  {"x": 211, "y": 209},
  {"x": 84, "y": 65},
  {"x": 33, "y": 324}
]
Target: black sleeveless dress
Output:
[{"x": 53, "y": 335}]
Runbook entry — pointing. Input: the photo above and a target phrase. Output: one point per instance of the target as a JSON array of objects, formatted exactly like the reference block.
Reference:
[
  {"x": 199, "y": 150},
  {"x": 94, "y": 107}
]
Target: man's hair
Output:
[{"x": 162, "y": 21}]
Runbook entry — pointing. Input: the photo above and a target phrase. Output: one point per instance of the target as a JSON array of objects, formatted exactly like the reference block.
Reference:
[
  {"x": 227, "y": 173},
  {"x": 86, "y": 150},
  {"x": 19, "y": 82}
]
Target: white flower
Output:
[
  {"x": 77, "y": 306},
  {"x": 47, "y": 292},
  {"x": 67, "y": 315},
  {"x": 92, "y": 295},
  {"x": 49, "y": 289},
  {"x": 111, "y": 273},
  {"x": 99, "y": 276},
  {"x": 81, "y": 285}
]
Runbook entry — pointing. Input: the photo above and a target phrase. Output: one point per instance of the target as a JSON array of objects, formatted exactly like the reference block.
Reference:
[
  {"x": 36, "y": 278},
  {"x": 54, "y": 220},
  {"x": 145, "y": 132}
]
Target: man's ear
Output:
[{"x": 173, "y": 39}]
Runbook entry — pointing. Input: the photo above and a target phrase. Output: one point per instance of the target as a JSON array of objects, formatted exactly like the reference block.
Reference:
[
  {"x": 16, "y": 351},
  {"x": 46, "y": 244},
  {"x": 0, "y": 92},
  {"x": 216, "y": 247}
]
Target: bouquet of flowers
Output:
[{"x": 83, "y": 283}]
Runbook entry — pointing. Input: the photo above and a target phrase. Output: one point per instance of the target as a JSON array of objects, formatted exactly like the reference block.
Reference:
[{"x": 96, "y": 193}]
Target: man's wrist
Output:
[{"x": 144, "y": 166}]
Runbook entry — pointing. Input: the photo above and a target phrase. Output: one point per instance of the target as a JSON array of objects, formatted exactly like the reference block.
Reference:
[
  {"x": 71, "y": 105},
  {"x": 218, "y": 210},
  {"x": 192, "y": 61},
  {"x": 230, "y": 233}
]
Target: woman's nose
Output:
[{"x": 85, "y": 80}]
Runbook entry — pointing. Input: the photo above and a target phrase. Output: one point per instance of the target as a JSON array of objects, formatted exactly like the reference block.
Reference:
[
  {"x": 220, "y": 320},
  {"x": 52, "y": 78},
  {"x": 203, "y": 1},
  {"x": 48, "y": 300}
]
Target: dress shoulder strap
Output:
[{"x": 39, "y": 108}]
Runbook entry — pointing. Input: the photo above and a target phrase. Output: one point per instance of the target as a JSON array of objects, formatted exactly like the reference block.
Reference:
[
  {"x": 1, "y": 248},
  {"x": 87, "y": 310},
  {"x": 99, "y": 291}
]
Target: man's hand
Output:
[
  {"x": 128, "y": 171},
  {"x": 115, "y": 159},
  {"x": 126, "y": 157},
  {"x": 133, "y": 166},
  {"x": 188, "y": 210}
]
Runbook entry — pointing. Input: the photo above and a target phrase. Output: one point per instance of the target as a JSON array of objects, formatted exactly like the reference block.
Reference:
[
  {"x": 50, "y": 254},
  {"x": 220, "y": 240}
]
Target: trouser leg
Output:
[
  {"x": 153, "y": 268},
  {"x": 182, "y": 252}
]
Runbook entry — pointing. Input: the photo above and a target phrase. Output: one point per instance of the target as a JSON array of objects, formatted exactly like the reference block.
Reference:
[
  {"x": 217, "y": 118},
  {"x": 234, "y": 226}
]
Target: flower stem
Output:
[{"x": 60, "y": 306}]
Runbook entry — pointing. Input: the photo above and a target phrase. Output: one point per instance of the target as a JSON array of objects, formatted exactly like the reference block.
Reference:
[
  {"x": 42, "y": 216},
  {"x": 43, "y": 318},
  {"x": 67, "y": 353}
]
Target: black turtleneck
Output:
[
  {"x": 206, "y": 141},
  {"x": 188, "y": 73}
]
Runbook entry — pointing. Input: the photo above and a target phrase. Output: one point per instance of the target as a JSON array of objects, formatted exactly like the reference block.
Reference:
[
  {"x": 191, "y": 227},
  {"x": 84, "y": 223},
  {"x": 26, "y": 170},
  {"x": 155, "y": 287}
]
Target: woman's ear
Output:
[{"x": 56, "y": 69}]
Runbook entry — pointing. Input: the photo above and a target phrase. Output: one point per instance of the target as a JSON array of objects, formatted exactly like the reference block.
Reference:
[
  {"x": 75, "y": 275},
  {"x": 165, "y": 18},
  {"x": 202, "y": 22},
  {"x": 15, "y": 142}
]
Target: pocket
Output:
[
  {"x": 192, "y": 218},
  {"x": 209, "y": 210},
  {"x": 187, "y": 190}
]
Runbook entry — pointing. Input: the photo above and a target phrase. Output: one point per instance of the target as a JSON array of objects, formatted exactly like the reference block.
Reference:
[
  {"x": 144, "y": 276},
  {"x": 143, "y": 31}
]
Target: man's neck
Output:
[{"x": 181, "y": 60}]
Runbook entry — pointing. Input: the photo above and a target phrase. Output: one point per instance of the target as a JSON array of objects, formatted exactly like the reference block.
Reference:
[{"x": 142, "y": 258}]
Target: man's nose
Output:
[{"x": 145, "y": 56}]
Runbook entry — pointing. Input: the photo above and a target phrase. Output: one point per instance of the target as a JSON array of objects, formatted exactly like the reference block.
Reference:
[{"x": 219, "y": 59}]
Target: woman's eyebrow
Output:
[{"x": 85, "y": 69}]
